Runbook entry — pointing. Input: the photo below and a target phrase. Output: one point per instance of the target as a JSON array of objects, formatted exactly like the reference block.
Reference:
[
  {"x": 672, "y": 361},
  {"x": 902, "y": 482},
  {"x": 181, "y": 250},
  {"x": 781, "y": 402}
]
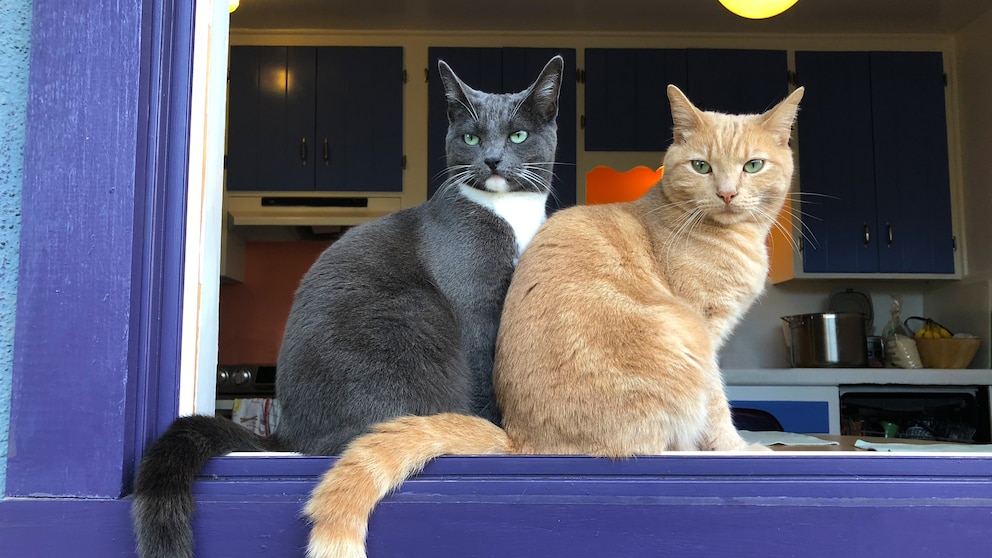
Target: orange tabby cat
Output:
[{"x": 611, "y": 327}]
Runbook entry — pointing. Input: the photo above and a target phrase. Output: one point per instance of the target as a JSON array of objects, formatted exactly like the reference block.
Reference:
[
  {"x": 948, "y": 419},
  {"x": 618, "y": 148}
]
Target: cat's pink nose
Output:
[{"x": 727, "y": 196}]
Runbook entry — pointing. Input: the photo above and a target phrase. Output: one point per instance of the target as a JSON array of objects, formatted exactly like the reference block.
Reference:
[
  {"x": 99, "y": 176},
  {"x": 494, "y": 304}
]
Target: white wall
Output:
[{"x": 974, "y": 48}]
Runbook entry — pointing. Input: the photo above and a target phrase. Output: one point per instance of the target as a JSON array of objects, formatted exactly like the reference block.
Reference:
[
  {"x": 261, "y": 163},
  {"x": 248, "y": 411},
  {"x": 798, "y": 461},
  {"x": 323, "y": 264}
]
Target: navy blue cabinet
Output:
[
  {"x": 627, "y": 108},
  {"x": 873, "y": 163},
  {"x": 315, "y": 118},
  {"x": 502, "y": 70}
]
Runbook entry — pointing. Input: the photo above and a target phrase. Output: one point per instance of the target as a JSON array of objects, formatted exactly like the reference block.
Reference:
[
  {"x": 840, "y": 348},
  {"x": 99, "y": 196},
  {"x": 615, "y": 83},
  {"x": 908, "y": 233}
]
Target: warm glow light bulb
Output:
[
  {"x": 233, "y": 5},
  {"x": 757, "y": 9}
]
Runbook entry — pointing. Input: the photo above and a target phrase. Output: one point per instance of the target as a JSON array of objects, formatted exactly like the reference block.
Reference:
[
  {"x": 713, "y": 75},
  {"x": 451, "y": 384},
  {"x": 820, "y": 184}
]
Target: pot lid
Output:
[{"x": 850, "y": 300}]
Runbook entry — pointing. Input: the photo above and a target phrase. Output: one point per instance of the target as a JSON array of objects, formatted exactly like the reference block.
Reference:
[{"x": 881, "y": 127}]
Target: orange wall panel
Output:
[{"x": 253, "y": 313}]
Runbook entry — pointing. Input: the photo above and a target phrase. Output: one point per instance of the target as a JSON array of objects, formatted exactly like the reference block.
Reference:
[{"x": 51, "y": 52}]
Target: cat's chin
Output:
[
  {"x": 730, "y": 216},
  {"x": 497, "y": 184}
]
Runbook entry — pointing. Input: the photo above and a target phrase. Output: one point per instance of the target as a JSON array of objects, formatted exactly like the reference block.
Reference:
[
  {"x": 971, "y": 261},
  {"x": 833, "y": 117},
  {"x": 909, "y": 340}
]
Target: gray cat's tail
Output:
[
  {"x": 163, "y": 502},
  {"x": 375, "y": 464}
]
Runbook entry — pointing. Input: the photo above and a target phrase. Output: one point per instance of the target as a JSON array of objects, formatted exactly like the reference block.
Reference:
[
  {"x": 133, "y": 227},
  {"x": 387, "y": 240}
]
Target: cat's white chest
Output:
[{"x": 523, "y": 211}]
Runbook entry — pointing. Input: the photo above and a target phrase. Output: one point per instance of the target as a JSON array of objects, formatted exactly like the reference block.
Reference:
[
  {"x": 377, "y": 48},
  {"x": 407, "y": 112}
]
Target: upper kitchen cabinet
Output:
[
  {"x": 502, "y": 70},
  {"x": 626, "y": 100},
  {"x": 873, "y": 164},
  {"x": 315, "y": 119}
]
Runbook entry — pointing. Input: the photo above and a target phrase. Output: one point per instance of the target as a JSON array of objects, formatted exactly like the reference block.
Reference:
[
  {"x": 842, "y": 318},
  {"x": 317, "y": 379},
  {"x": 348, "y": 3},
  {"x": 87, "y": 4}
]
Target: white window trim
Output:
[{"x": 201, "y": 281}]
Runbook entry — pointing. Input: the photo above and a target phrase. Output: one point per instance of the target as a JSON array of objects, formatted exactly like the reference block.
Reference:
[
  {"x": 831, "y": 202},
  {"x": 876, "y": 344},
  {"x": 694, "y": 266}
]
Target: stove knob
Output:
[
  {"x": 241, "y": 377},
  {"x": 223, "y": 376}
]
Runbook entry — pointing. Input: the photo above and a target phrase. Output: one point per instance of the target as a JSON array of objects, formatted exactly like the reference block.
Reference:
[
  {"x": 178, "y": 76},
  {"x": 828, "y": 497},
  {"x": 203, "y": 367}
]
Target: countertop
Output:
[{"x": 846, "y": 443}]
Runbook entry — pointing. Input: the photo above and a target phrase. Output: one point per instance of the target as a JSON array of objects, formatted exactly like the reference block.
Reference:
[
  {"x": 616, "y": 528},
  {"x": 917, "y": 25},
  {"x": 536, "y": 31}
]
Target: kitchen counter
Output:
[
  {"x": 856, "y": 376},
  {"x": 847, "y": 443},
  {"x": 809, "y": 399}
]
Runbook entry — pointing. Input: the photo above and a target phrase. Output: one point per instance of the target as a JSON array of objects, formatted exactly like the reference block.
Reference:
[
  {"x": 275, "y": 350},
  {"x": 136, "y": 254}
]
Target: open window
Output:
[{"x": 103, "y": 322}]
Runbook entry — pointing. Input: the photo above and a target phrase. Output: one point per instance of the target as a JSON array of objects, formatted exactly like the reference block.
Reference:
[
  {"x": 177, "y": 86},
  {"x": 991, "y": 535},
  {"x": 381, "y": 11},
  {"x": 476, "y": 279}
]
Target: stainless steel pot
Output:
[{"x": 828, "y": 340}]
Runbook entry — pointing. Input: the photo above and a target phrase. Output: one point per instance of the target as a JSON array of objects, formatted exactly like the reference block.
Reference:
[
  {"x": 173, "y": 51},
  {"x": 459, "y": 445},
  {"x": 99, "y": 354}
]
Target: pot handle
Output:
[{"x": 794, "y": 321}]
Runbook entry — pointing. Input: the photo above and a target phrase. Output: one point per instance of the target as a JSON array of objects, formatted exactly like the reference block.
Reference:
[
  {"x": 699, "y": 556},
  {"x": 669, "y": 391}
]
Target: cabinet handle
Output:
[
  {"x": 327, "y": 152},
  {"x": 888, "y": 227},
  {"x": 867, "y": 236},
  {"x": 303, "y": 150}
]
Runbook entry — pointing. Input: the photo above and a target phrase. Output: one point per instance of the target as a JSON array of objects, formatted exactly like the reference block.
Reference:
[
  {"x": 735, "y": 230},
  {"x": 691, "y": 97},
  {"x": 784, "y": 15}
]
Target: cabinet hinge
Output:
[
  {"x": 954, "y": 243},
  {"x": 800, "y": 244},
  {"x": 404, "y": 75},
  {"x": 582, "y": 122},
  {"x": 403, "y": 163},
  {"x": 427, "y": 75},
  {"x": 945, "y": 79},
  {"x": 580, "y": 75},
  {"x": 792, "y": 78}
]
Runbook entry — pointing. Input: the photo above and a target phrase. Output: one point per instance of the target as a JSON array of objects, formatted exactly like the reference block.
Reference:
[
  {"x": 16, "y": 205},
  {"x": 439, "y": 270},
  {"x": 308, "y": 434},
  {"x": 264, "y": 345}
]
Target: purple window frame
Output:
[{"x": 96, "y": 361}]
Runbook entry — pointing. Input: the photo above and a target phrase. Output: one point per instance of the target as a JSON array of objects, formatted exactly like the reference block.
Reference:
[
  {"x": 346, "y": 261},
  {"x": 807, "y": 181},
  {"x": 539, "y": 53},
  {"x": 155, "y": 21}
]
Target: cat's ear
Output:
[
  {"x": 457, "y": 93},
  {"x": 779, "y": 119},
  {"x": 685, "y": 116},
  {"x": 543, "y": 93}
]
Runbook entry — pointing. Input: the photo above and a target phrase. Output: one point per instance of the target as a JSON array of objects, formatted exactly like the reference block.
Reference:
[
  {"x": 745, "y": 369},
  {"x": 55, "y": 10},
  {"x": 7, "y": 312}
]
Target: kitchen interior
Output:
[{"x": 803, "y": 370}]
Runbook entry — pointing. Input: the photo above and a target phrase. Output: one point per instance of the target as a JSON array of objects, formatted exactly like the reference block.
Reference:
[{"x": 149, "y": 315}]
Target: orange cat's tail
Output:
[{"x": 375, "y": 464}]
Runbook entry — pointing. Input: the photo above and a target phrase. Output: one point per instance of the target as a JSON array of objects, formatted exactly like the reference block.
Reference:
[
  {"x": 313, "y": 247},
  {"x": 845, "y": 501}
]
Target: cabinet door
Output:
[
  {"x": 911, "y": 163},
  {"x": 626, "y": 97},
  {"x": 805, "y": 417},
  {"x": 737, "y": 81},
  {"x": 873, "y": 164},
  {"x": 242, "y": 110},
  {"x": 270, "y": 132},
  {"x": 627, "y": 105},
  {"x": 502, "y": 70},
  {"x": 836, "y": 163},
  {"x": 358, "y": 140}
]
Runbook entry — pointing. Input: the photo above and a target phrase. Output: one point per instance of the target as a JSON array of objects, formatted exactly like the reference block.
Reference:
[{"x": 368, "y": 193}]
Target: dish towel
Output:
[
  {"x": 259, "y": 415},
  {"x": 784, "y": 439}
]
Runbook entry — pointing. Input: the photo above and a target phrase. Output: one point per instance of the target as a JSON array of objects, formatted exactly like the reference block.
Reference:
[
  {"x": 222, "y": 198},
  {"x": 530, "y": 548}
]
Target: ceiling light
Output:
[
  {"x": 233, "y": 5},
  {"x": 757, "y": 9}
]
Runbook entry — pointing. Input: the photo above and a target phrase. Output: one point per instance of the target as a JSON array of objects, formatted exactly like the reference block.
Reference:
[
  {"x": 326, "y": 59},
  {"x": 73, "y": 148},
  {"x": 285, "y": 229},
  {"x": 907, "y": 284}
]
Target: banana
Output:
[{"x": 931, "y": 330}]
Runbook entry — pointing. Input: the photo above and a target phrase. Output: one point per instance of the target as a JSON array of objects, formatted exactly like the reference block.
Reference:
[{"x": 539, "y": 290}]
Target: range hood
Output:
[{"x": 306, "y": 209}]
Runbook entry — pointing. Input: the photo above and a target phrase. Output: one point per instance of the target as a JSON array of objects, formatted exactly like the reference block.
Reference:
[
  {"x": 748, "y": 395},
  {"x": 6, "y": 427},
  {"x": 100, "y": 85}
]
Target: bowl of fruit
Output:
[{"x": 939, "y": 347}]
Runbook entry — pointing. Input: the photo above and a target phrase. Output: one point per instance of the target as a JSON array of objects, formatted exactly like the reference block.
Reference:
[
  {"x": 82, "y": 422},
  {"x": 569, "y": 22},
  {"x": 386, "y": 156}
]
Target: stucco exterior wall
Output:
[{"x": 15, "y": 21}]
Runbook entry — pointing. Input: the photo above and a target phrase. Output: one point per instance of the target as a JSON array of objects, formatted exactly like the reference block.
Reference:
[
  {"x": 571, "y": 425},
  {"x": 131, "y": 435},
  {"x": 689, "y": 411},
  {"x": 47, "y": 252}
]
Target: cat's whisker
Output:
[
  {"x": 799, "y": 195},
  {"x": 470, "y": 108},
  {"x": 804, "y": 230},
  {"x": 453, "y": 173},
  {"x": 661, "y": 207},
  {"x": 516, "y": 108},
  {"x": 539, "y": 182},
  {"x": 682, "y": 229},
  {"x": 780, "y": 227},
  {"x": 454, "y": 179}
]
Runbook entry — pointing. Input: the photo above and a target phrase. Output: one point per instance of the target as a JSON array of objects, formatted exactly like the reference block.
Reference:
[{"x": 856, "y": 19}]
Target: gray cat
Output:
[{"x": 398, "y": 317}]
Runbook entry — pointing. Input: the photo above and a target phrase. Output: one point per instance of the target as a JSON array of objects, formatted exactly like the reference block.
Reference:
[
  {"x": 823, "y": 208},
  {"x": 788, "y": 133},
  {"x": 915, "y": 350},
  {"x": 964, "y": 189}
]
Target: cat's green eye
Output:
[
  {"x": 702, "y": 167},
  {"x": 471, "y": 139},
  {"x": 518, "y": 137},
  {"x": 754, "y": 165}
]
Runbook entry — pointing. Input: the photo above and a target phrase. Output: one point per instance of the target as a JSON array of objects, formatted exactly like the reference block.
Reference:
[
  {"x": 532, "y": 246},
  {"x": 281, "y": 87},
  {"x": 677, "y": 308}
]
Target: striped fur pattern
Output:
[{"x": 612, "y": 324}]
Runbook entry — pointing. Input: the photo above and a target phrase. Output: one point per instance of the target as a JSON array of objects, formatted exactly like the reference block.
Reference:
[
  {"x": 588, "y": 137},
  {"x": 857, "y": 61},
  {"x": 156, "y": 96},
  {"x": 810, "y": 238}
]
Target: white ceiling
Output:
[{"x": 684, "y": 16}]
